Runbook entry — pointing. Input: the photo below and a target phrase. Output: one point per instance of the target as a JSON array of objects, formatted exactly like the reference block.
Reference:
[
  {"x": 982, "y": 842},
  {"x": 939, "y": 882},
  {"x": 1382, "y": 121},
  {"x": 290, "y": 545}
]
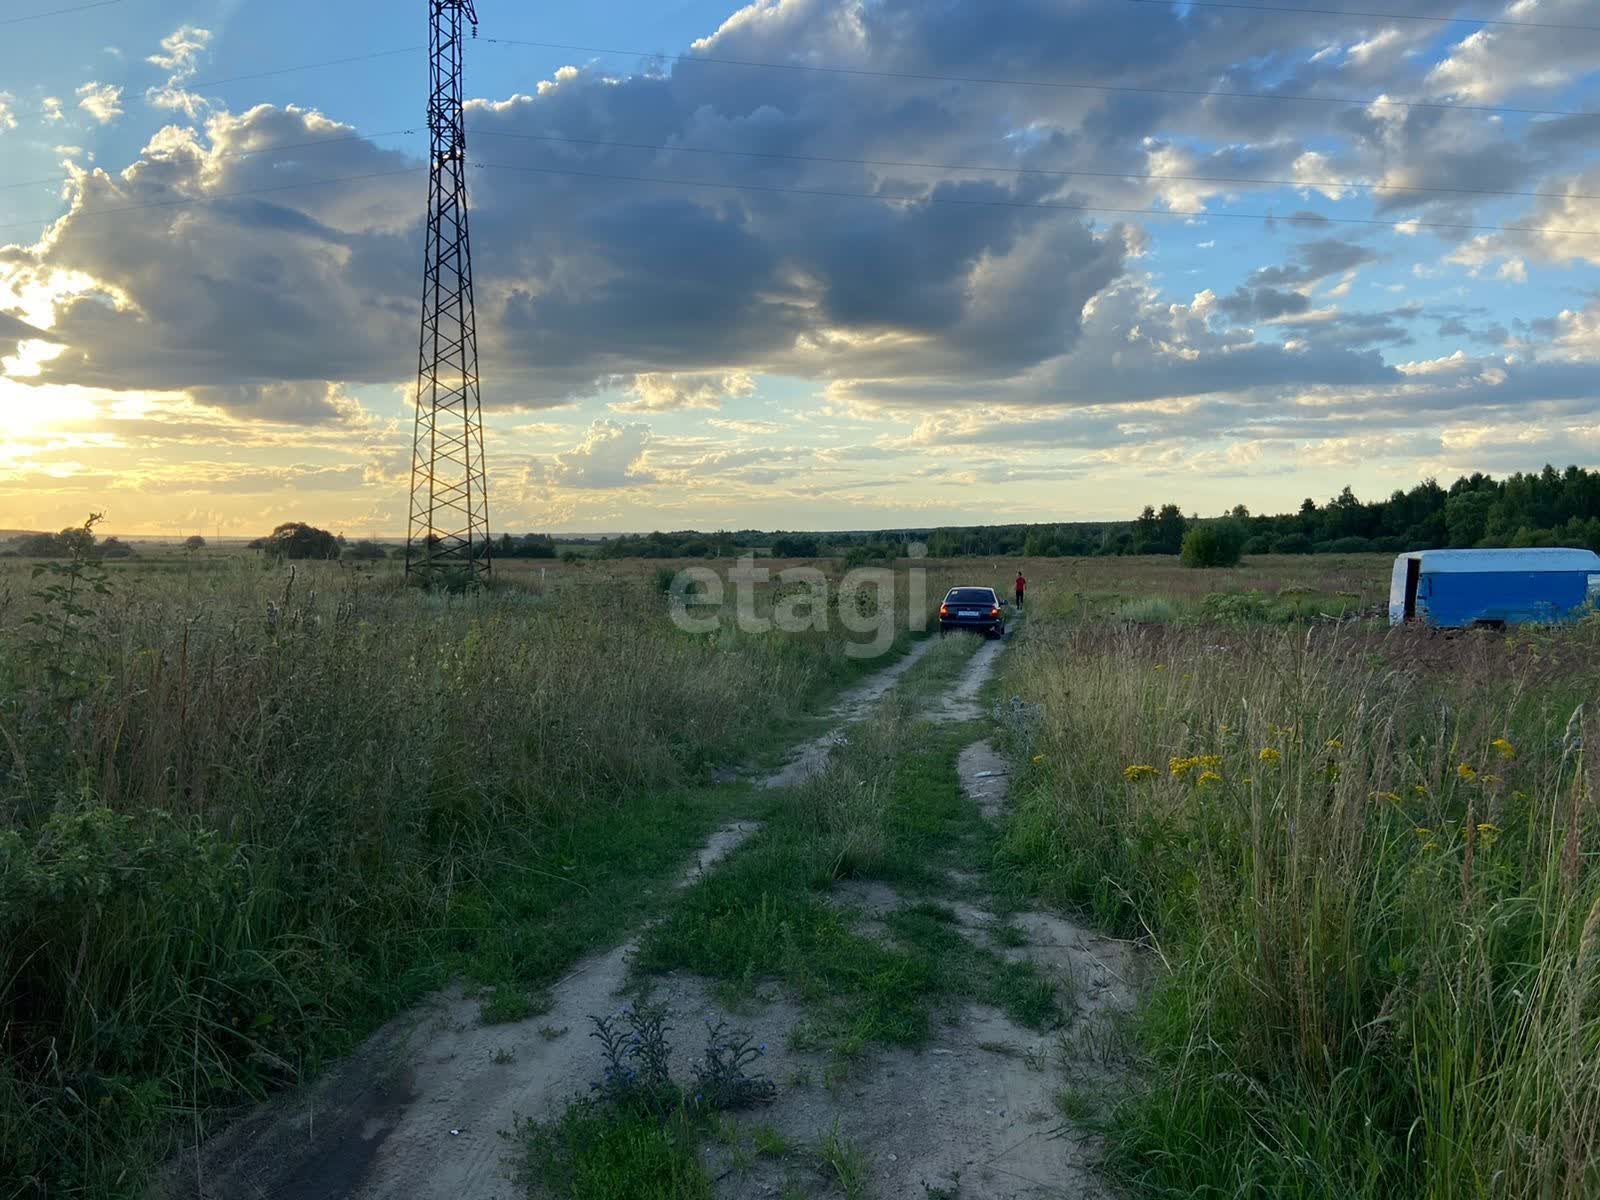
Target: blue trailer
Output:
[{"x": 1460, "y": 589}]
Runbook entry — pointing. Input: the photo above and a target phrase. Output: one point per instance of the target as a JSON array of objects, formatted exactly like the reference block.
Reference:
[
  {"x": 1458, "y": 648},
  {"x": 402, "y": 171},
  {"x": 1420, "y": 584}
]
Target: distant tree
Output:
[
  {"x": 114, "y": 547},
  {"x": 1214, "y": 544},
  {"x": 296, "y": 539},
  {"x": 364, "y": 551},
  {"x": 795, "y": 545},
  {"x": 194, "y": 542}
]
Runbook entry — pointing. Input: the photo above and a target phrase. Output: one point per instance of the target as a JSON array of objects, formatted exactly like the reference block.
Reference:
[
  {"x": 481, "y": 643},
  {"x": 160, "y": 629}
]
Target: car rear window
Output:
[{"x": 970, "y": 596}]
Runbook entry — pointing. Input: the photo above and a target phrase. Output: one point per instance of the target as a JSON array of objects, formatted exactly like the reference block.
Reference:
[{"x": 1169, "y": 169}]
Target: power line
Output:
[
  {"x": 359, "y": 137},
  {"x": 878, "y": 162},
  {"x": 1380, "y": 16},
  {"x": 1115, "y": 89},
  {"x": 187, "y": 201},
  {"x": 332, "y": 62},
  {"x": 59, "y": 12},
  {"x": 967, "y": 202}
]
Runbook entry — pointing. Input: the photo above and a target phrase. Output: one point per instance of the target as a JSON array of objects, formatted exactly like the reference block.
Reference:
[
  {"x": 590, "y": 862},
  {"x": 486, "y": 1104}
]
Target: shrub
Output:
[{"x": 1215, "y": 544}]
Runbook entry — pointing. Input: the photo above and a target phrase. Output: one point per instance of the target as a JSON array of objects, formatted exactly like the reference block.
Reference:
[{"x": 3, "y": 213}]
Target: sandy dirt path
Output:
[{"x": 420, "y": 1110}]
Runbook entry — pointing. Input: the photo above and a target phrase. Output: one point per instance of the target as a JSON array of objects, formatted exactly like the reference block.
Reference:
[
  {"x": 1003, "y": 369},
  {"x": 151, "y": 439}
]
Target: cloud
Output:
[
  {"x": 746, "y": 425},
  {"x": 8, "y": 112},
  {"x": 608, "y": 457},
  {"x": 102, "y": 101},
  {"x": 180, "y": 55},
  {"x": 51, "y": 105},
  {"x": 666, "y": 392},
  {"x": 276, "y": 299}
]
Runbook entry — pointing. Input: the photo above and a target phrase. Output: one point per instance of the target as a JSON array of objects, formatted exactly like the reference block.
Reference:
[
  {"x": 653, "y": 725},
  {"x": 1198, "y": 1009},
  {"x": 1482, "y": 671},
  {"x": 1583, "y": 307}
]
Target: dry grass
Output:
[
  {"x": 246, "y": 812},
  {"x": 1361, "y": 856}
]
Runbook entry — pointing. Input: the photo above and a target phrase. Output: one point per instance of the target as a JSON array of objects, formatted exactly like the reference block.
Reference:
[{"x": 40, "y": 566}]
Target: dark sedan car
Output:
[{"x": 974, "y": 608}]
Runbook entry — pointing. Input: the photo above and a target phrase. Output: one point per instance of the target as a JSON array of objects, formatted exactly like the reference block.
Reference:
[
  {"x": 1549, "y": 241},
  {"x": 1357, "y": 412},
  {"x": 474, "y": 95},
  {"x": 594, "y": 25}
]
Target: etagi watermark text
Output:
[{"x": 862, "y": 601}]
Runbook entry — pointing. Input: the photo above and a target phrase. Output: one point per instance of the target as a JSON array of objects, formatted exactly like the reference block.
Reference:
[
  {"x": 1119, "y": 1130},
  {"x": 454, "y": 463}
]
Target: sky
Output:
[{"x": 804, "y": 264}]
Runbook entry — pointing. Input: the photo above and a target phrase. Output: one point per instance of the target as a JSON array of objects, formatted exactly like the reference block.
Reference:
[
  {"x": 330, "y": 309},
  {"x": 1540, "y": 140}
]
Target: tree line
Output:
[{"x": 1542, "y": 508}]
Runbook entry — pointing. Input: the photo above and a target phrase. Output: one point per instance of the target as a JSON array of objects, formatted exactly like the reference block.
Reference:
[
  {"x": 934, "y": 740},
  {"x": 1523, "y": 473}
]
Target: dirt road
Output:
[{"x": 420, "y": 1111}]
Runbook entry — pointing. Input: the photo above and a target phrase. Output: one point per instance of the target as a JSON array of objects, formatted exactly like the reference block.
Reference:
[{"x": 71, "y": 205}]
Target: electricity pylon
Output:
[{"x": 449, "y": 530}]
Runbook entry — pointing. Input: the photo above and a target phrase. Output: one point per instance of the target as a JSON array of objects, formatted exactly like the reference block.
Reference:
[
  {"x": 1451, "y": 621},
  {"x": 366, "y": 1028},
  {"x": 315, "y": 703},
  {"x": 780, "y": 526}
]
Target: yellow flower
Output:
[
  {"x": 1465, "y": 771},
  {"x": 1038, "y": 758},
  {"x": 1161, "y": 666},
  {"x": 1429, "y": 847},
  {"x": 1180, "y": 767},
  {"x": 1224, "y": 729},
  {"x": 1269, "y": 754},
  {"x": 1137, "y": 772},
  {"x": 1504, "y": 748},
  {"x": 1487, "y": 833},
  {"x": 1422, "y": 831},
  {"x": 1208, "y": 777},
  {"x": 1210, "y": 762},
  {"x": 1335, "y": 744},
  {"x": 1419, "y": 789},
  {"x": 1391, "y": 797}
]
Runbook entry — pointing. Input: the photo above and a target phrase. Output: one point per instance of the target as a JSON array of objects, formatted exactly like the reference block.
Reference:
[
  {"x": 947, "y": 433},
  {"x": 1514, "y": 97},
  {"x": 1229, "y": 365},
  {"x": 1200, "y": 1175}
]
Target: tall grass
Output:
[
  {"x": 238, "y": 810},
  {"x": 1365, "y": 862}
]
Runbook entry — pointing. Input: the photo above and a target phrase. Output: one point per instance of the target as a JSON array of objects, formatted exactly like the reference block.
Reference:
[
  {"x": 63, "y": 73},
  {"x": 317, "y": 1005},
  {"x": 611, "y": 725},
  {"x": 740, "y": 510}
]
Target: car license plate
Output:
[{"x": 967, "y": 612}]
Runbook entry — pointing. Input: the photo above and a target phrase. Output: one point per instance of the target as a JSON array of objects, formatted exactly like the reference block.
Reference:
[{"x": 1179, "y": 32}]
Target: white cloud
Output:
[
  {"x": 8, "y": 115},
  {"x": 669, "y": 392},
  {"x": 608, "y": 457},
  {"x": 102, "y": 101},
  {"x": 52, "y": 109},
  {"x": 180, "y": 54}
]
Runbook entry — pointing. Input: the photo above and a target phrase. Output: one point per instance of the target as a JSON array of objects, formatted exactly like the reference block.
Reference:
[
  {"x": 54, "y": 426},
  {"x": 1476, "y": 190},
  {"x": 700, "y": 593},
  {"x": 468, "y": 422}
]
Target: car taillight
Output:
[
  {"x": 994, "y": 612},
  {"x": 944, "y": 610}
]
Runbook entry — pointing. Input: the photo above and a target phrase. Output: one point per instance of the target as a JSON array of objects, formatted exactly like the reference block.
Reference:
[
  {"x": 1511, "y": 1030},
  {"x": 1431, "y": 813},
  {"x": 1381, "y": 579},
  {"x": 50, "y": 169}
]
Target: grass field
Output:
[
  {"x": 1366, "y": 861},
  {"x": 249, "y": 812}
]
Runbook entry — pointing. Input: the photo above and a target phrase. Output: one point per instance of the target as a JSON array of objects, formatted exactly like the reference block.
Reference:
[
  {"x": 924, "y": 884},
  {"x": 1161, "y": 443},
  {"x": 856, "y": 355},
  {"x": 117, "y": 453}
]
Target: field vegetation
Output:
[
  {"x": 249, "y": 809},
  {"x": 1364, "y": 860}
]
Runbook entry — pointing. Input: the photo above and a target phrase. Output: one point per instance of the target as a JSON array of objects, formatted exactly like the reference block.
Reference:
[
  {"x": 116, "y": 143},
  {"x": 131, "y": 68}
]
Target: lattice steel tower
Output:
[{"x": 449, "y": 504}]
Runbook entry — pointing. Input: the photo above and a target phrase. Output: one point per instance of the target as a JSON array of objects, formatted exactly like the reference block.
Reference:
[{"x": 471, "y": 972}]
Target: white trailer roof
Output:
[{"x": 1534, "y": 559}]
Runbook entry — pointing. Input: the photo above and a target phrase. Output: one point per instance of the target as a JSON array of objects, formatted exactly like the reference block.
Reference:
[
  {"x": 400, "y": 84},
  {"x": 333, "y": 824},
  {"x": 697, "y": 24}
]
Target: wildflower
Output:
[
  {"x": 1137, "y": 772},
  {"x": 1269, "y": 754},
  {"x": 1224, "y": 729},
  {"x": 1422, "y": 831},
  {"x": 1161, "y": 666},
  {"x": 1335, "y": 744},
  {"x": 1210, "y": 762},
  {"x": 1487, "y": 834},
  {"x": 1391, "y": 797},
  {"x": 1419, "y": 789},
  {"x": 1038, "y": 758},
  {"x": 1466, "y": 772},
  {"x": 1208, "y": 777},
  {"x": 1504, "y": 748},
  {"x": 1180, "y": 767},
  {"x": 1430, "y": 847}
]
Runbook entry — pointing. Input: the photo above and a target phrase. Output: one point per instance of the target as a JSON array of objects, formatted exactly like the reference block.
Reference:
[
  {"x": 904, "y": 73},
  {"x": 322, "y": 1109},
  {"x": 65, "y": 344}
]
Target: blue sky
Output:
[{"x": 698, "y": 309}]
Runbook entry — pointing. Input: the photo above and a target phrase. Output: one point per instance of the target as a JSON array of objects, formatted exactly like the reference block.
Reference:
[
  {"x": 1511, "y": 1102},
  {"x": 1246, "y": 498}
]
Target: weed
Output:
[
  {"x": 769, "y": 1143},
  {"x": 843, "y": 1162},
  {"x": 505, "y": 1056},
  {"x": 550, "y": 1033},
  {"x": 721, "y": 1077},
  {"x": 509, "y": 1003},
  {"x": 1073, "y": 1104}
]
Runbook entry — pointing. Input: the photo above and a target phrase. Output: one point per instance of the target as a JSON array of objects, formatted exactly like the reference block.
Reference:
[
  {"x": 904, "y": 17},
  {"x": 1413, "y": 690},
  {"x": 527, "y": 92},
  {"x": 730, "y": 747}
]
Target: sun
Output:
[{"x": 32, "y": 411}]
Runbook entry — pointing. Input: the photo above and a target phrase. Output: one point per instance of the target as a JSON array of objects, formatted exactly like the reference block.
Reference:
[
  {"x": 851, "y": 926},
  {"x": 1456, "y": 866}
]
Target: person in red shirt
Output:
[{"x": 1022, "y": 586}]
